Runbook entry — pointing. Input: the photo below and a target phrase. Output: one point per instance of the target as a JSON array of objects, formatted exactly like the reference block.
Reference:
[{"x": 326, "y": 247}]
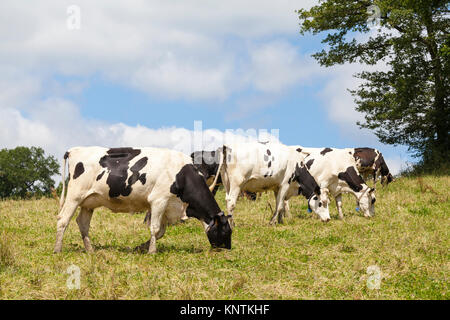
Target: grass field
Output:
[{"x": 408, "y": 240}]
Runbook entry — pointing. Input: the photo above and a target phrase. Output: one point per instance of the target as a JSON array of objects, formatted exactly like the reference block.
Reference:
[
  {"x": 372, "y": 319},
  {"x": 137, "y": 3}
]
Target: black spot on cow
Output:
[
  {"x": 116, "y": 161},
  {"x": 270, "y": 164},
  {"x": 299, "y": 149},
  {"x": 191, "y": 188},
  {"x": 309, "y": 163},
  {"x": 100, "y": 175},
  {"x": 308, "y": 186},
  {"x": 79, "y": 170},
  {"x": 143, "y": 178},
  {"x": 268, "y": 152},
  {"x": 366, "y": 156},
  {"x": 136, "y": 176},
  {"x": 324, "y": 151},
  {"x": 352, "y": 178}
]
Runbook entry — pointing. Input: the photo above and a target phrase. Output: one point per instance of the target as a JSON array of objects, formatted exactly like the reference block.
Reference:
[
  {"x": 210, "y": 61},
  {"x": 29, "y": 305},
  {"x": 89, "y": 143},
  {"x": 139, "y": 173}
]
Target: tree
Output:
[
  {"x": 26, "y": 172},
  {"x": 409, "y": 102}
]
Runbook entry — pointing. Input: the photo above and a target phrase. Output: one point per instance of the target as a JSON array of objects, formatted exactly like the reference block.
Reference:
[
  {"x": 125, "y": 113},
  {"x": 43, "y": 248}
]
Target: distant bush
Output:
[
  {"x": 26, "y": 172},
  {"x": 421, "y": 168}
]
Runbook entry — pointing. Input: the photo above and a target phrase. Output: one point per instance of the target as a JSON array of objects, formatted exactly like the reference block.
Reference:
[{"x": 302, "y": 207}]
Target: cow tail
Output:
[
  {"x": 222, "y": 157},
  {"x": 63, "y": 194}
]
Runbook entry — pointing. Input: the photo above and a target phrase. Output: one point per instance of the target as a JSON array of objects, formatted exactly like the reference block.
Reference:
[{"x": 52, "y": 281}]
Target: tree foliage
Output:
[
  {"x": 26, "y": 172},
  {"x": 407, "y": 102}
]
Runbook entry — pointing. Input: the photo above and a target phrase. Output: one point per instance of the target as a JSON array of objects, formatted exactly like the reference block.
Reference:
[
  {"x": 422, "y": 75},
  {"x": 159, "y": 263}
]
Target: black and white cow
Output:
[
  {"x": 162, "y": 181},
  {"x": 370, "y": 162},
  {"x": 336, "y": 172},
  {"x": 258, "y": 167}
]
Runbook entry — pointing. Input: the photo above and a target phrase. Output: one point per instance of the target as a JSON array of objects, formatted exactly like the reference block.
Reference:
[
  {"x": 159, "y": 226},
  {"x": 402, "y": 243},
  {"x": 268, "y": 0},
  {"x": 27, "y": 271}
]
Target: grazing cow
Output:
[
  {"x": 370, "y": 162},
  {"x": 258, "y": 167},
  {"x": 335, "y": 171},
  {"x": 207, "y": 162},
  {"x": 161, "y": 181}
]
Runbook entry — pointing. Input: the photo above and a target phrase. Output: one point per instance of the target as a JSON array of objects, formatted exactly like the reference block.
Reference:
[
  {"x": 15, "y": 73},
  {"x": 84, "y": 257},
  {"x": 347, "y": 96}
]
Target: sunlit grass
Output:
[{"x": 302, "y": 259}]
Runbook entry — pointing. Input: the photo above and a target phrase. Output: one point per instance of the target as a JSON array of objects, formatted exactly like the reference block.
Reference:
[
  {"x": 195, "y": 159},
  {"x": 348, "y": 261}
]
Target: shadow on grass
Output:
[{"x": 141, "y": 249}]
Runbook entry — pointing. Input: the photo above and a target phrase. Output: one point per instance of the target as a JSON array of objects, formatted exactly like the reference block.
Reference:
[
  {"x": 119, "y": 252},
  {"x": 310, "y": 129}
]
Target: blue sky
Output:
[{"x": 133, "y": 72}]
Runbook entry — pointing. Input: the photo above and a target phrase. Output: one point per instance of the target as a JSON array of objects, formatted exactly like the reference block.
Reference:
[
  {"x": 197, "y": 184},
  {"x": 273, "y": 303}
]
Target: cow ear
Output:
[{"x": 372, "y": 190}]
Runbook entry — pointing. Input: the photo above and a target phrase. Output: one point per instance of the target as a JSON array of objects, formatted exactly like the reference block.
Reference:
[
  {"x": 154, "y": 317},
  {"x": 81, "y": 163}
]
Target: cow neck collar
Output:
[{"x": 309, "y": 199}]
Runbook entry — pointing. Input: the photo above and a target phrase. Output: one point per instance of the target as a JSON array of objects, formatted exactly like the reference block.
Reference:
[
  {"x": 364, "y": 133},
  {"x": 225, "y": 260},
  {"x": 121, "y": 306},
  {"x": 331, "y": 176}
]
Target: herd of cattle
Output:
[{"x": 171, "y": 186}]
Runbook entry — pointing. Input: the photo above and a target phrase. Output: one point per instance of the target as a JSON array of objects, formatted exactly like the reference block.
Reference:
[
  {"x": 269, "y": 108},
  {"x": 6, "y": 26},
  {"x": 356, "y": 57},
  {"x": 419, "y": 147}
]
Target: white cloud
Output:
[
  {"x": 173, "y": 48},
  {"x": 277, "y": 65},
  {"x": 15, "y": 130}
]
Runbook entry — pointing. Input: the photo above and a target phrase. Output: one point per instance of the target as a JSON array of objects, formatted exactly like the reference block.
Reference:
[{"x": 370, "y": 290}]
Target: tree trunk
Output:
[{"x": 440, "y": 147}]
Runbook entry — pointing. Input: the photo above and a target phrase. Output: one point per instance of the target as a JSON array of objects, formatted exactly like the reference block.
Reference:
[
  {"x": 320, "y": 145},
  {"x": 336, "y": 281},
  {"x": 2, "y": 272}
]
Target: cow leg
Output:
[
  {"x": 84, "y": 222},
  {"x": 287, "y": 209},
  {"x": 64, "y": 217},
  {"x": 231, "y": 202},
  {"x": 338, "y": 199},
  {"x": 278, "y": 214},
  {"x": 158, "y": 208}
]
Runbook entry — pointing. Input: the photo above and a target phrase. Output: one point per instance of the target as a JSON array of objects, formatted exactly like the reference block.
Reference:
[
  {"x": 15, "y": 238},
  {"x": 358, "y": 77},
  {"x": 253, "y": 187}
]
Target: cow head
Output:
[
  {"x": 385, "y": 180},
  {"x": 367, "y": 202},
  {"x": 219, "y": 232},
  {"x": 317, "y": 200},
  {"x": 318, "y": 203},
  {"x": 191, "y": 188}
]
